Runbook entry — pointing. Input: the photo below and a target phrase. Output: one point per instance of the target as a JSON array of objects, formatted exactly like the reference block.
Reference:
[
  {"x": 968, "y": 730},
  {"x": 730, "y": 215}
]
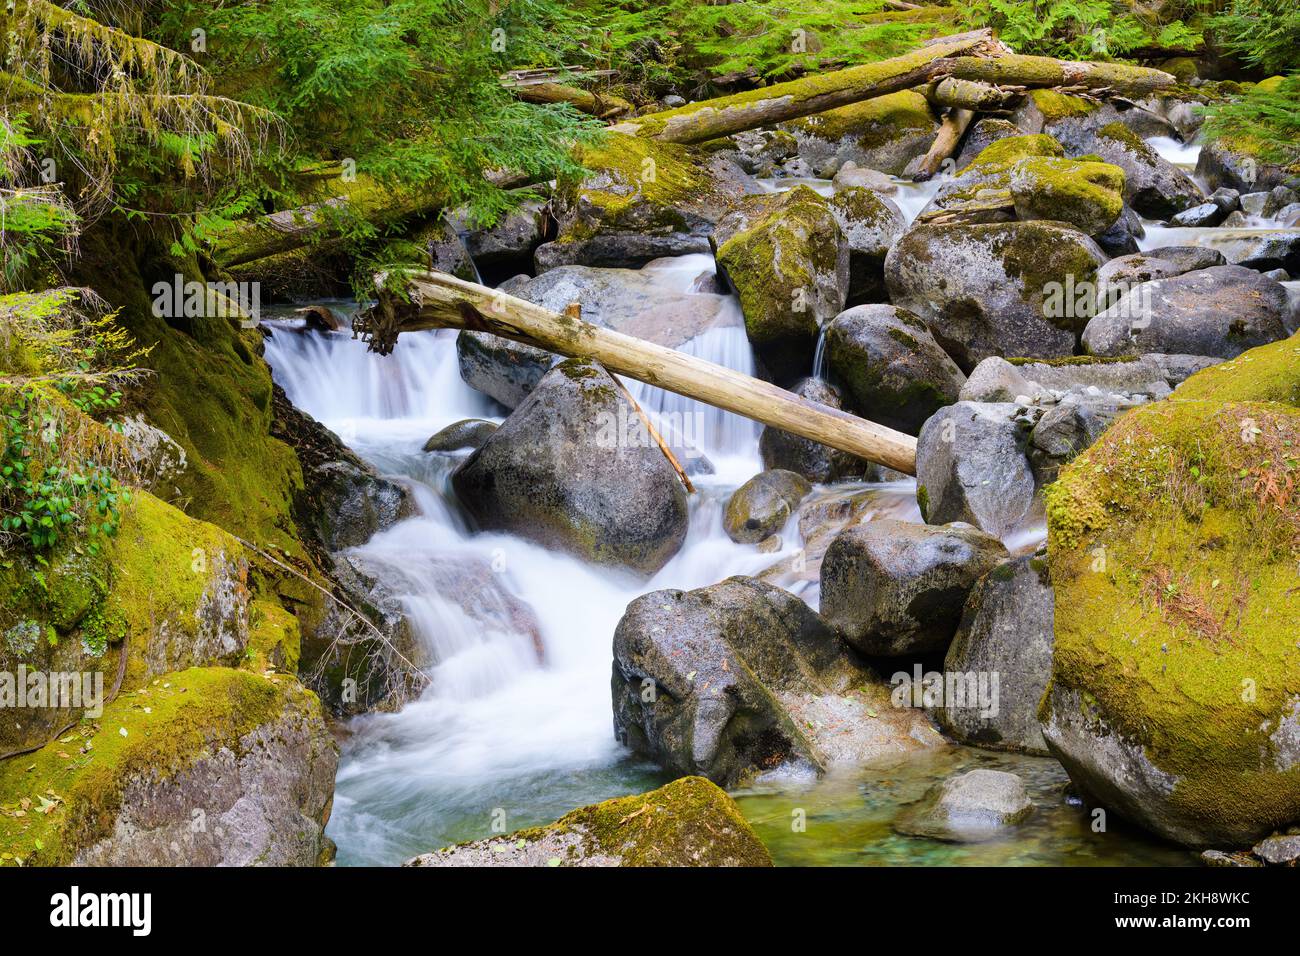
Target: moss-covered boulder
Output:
[
  {"x": 640, "y": 200},
  {"x": 885, "y": 133},
  {"x": 1153, "y": 186},
  {"x": 689, "y": 822},
  {"x": 742, "y": 679},
  {"x": 894, "y": 370},
  {"x": 994, "y": 289},
  {"x": 165, "y": 593},
  {"x": 573, "y": 468},
  {"x": 1087, "y": 195},
  {"x": 1237, "y": 162},
  {"x": 204, "y": 767},
  {"x": 871, "y": 224},
  {"x": 1175, "y": 692},
  {"x": 761, "y": 506},
  {"x": 787, "y": 259}
]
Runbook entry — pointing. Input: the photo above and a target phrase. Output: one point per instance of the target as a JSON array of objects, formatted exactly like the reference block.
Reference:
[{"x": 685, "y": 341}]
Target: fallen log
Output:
[
  {"x": 600, "y": 105},
  {"x": 974, "y": 57},
  {"x": 435, "y": 300},
  {"x": 1015, "y": 69},
  {"x": 698, "y": 122}
]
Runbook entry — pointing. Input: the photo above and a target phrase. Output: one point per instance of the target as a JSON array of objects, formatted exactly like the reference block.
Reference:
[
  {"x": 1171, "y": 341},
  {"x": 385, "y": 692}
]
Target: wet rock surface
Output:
[
  {"x": 742, "y": 679},
  {"x": 893, "y": 587}
]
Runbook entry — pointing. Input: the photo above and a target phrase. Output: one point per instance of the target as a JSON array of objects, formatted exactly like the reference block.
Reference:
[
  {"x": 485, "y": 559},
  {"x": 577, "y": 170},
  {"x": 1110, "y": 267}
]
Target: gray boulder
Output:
[
  {"x": 871, "y": 225},
  {"x": 971, "y": 466},
  {"x": 972, "y": 807},
  {"x": 559, "y": 472},
  {"x": 742, "y": 679},
  {"x": 815, "y": 461},
  {"x": 1005, "y": 630},
  {"x": 893, "y": 587},
  {"x": 989, "y": 289},
  {"x": 761, "y": 506},
  {"x": 1153, "y": 186},
  {"x": 499, "y": 368},
  {"x": 1221, "y": 311},
  {"x": 469, "y": 433},
  {"x": 895, "y": 372}
]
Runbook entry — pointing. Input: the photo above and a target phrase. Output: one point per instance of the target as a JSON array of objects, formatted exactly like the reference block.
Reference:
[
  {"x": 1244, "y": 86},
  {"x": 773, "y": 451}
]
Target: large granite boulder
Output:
[
  {"x": 742, "y": 679},
  {"x": 994, "y": 289},
  {"x": 560, "y": 472},
  {"x": 893, "y": 587},
  {"x": 1175, "y": 691}
]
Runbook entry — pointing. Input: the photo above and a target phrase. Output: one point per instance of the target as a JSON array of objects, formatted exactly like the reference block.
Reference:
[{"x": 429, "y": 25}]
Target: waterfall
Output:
[{"x": 501, "y": 727}]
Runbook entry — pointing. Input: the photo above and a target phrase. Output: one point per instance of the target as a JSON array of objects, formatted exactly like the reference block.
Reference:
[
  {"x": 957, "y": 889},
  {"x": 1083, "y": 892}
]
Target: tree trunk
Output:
[
  {"x": 602, "y": 105},
  {"x": 945, "y": 143},
  {"x": 436, "y": 300},
  {"x": 1013, "y": 69},
  {"x": 973, "y": 57}
]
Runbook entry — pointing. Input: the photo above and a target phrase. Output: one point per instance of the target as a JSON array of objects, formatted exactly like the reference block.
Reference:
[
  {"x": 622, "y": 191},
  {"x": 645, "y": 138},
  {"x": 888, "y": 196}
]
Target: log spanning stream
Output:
[{"x": 501, "y": 739}]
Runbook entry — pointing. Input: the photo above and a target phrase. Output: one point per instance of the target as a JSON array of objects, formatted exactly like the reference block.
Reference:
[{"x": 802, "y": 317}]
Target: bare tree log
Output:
[
  {"x": 951, "y": 130},
  {"x": 969, "y": 95},
  {"x": 435, "y": 300}
]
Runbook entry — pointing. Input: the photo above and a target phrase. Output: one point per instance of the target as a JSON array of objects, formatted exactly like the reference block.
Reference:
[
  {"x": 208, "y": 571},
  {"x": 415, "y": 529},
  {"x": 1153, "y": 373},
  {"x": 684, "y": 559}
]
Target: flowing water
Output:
[{"x": 502, "y": 740}]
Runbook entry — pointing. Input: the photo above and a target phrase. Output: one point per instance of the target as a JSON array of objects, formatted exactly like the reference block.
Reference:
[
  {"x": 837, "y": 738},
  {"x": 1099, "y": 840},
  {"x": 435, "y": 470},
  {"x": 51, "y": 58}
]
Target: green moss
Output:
[
  {"x": 156, "y": 731},
  {"x": 689, "y": 822},
  {"x": 1034, "y": 254},
  {"x": 1057, "y": 106},
  {"x": 274, "y": 639},
  {"x": 1173, "y": 545},
  {"x": 162, "y": 563},
  {"x": 1087, "y": 195},
  {"x": 212, "y": 394},
  {"x": 923, "y": 501},
  {"x": 871, "y": 123},
  {"x": 1269, "y": 373},
  {"x": 1075, "y": 360},
  {"x": 1002, "y": 154}
]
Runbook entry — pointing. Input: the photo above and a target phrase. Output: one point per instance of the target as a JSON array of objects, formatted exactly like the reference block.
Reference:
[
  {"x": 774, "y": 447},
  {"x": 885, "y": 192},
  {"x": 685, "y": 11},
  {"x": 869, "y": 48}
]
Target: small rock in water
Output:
[
  {"x": 761, "y": 506},
  {"x": 1279, "y": 850},
  {"x": 469, "y": 433},
  {"x": 970, "y": 808}
]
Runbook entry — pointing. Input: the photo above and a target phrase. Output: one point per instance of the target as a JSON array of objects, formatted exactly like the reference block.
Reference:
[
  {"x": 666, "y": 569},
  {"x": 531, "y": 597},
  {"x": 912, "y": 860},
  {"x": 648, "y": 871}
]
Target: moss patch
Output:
[
  {"x": 66, "y": 796},
  {"x": 1173, "y": 548}
]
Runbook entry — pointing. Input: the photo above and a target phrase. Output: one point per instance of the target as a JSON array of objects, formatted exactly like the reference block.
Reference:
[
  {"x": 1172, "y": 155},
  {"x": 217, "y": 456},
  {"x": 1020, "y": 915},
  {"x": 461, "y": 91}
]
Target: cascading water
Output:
[
  {"x": 504, "y": 736},
  {"x": 497, "y": 731}
]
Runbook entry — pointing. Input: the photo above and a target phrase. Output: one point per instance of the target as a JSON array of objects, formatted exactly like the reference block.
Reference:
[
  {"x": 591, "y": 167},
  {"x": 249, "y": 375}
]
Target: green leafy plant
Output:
[
  {"x": 1264, "y": 33},
  {"x": 60, "y": 467},
  {"x": 1074, "y": 29},
  {"x": 1267, "y": 117}
]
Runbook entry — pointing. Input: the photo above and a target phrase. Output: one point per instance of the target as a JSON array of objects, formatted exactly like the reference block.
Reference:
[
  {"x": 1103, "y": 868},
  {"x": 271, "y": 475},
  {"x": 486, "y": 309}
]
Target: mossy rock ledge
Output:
[
  {"x": 1175, "y": 691},
  {"x": 689, "y": 822},
  {"x": 204, "y": 767}
]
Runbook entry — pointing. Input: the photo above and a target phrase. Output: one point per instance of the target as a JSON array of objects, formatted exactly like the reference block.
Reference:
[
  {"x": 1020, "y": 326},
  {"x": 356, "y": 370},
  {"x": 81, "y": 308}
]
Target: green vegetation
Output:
[{"x": 1076, "y": 29}]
